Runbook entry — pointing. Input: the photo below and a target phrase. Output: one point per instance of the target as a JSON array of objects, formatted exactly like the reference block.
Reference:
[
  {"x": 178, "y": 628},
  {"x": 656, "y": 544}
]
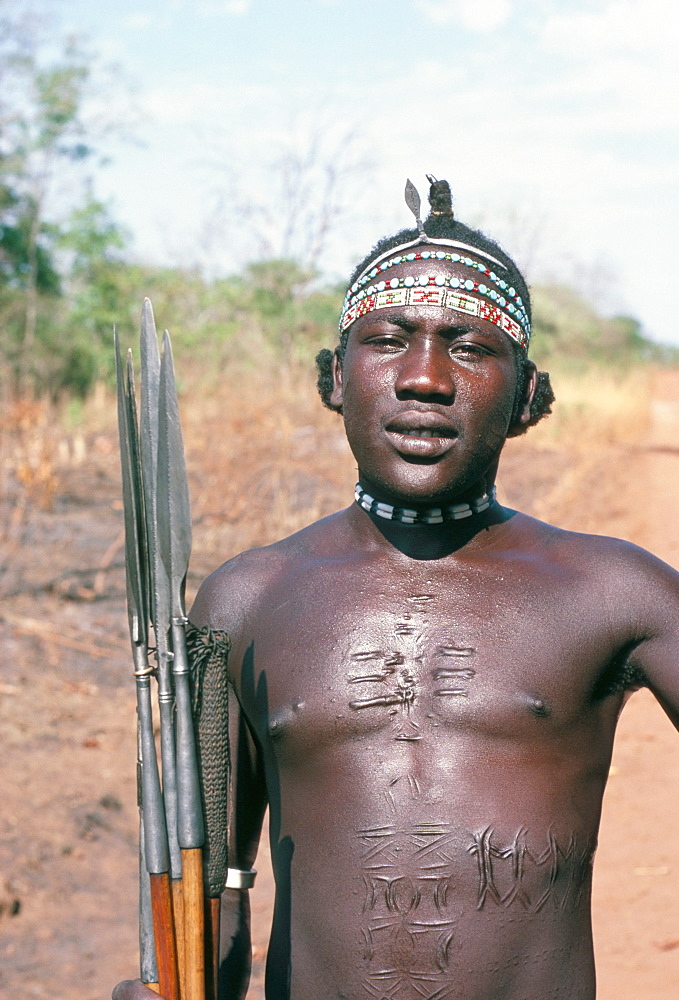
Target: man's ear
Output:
[
  {"x": 336, "y": 397},
  {"x": 523, "y": 414}
]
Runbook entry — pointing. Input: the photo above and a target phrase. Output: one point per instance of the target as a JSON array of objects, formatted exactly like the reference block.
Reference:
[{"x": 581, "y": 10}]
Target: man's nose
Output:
[{"x": 426, "y": 370}]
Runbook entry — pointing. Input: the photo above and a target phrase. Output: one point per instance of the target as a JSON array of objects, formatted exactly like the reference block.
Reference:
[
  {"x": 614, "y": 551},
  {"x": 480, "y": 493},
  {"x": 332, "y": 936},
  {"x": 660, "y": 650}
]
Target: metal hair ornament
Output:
[
  {"x": 440, "y": 197},
  {"x": 432, "y": 515},
  {"x": 413, "y": 201}
]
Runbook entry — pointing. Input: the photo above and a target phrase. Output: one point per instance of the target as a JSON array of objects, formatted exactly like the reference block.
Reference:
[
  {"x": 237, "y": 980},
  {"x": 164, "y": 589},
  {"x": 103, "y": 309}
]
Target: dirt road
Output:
[
  {"x": 636, "y": 899},
  {"x": 68, "y": 816}
]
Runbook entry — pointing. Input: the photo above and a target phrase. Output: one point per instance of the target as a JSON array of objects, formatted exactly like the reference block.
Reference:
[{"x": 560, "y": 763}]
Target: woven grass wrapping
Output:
[{"x": 208, "y": 652}]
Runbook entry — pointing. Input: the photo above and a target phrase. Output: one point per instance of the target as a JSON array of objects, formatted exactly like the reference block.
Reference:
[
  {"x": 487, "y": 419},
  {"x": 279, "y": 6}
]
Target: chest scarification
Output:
[{"x": 407, "y": 672}]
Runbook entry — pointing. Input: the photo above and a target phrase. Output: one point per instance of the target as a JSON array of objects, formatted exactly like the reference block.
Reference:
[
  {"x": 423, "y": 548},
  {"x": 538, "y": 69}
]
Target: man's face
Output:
[{"x": 427, "y": 396}]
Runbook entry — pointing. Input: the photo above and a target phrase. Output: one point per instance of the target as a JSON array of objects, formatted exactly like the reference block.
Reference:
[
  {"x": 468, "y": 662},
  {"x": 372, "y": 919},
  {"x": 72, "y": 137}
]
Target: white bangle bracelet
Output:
[{"x": 236, "y": 878}]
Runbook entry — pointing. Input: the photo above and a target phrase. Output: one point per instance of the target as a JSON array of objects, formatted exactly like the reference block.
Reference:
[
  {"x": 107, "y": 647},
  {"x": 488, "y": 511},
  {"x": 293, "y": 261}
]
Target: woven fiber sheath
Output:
[{"x": 208, "y": 652}]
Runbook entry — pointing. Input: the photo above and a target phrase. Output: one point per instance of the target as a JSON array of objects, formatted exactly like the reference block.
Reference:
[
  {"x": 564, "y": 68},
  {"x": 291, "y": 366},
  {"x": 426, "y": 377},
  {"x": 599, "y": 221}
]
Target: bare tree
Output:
[{"x": 293, "y": 203}]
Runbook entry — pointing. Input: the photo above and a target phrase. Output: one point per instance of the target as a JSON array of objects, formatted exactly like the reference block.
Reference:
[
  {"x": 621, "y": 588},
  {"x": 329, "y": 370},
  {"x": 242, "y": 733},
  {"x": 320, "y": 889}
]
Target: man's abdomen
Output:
[{"x": 429, "y": 910}]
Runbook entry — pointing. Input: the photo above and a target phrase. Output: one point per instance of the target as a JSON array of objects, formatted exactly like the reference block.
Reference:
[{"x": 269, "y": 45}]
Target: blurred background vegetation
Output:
[{"x": 67, "y": 275}]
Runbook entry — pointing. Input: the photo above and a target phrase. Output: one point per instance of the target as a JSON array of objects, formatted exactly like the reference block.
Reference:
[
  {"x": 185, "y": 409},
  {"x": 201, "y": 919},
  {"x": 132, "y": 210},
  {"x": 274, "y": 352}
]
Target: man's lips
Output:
[{"x": 424, "y": 434}]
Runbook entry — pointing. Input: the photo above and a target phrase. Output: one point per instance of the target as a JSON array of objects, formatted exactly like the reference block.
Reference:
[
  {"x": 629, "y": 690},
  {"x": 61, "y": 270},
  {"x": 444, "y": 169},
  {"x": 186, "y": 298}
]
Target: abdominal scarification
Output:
[
  {"x": 416, "y": 881},
  {"x": 409, "y": 783},
  {"x": 408, "y": 936},
  {"x": 566, "y": 867}
]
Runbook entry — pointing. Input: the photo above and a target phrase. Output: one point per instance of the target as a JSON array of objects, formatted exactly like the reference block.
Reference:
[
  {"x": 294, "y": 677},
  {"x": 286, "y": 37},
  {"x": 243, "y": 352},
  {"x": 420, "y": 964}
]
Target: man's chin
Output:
[{"x": 422, "y": 491}]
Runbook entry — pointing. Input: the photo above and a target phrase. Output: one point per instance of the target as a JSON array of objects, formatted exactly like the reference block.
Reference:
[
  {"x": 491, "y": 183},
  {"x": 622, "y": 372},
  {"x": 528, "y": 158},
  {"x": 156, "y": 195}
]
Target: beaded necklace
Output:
[{"x": 432, "y": 515}]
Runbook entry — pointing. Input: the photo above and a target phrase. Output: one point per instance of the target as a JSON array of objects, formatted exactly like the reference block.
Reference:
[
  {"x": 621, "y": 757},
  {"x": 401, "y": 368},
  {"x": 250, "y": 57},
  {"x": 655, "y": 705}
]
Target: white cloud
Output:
[
  {"x": 650, "y": 29},
  {"x": 476, "y": 16},
  {"x": 187, "y": 102},
  {"x": 618, "y": 70},
  {"x": 570, "y": 112},
  {"x": 215, "y": 8},
  {"x": 139, "y": 20}
]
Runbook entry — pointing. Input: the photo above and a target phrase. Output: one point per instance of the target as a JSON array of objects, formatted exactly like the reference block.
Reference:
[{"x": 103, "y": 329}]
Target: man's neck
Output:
[{"x": 436, "y": 530}]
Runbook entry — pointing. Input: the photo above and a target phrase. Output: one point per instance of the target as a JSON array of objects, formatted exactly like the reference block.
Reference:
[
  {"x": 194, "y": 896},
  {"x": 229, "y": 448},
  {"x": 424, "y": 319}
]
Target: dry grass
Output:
[
  {"x": 38, "y": 439},
  {"x": 265, "y": 458},
  {"x": 28, "y": 480},
  {"x": 39, "y": 442},
  {"x": 26, "y": 451},
  {"x": 597, "y": 407}
]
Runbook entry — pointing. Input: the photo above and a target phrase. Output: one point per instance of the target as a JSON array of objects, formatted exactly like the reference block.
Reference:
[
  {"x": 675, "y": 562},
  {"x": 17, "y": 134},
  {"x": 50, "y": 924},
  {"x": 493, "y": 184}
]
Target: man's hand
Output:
[{"x": 133, "y": 989}]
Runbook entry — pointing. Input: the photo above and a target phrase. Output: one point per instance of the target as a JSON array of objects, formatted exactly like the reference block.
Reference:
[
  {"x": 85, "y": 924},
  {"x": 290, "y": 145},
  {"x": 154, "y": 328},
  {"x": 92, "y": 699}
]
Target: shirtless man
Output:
[{"x": 430, "y": 682}]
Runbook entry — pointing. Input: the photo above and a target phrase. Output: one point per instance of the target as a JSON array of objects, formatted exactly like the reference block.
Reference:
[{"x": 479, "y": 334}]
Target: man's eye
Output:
[
  {"x": 386, "y": 340},
  {"x": 465, "y": 348}
]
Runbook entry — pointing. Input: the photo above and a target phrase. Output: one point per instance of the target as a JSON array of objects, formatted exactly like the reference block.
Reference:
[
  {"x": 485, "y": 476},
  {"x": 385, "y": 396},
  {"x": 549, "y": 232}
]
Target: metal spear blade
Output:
[
  {"x": 160, "y": 589},
  {"x": 150, "y": 388},
  {"x": 174, "y": 510},
  {"x": 174, "y": 542},
  {"x": 135, "y": 529}
]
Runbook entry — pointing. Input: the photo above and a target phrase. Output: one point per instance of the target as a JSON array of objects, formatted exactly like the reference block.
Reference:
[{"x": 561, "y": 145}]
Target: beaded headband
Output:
[
  {"x": 434, "y": 242},
  {"x": 509, "y": 293},
  {"x": 417, "y": 291},
  {"x": 505, "y": 309}
]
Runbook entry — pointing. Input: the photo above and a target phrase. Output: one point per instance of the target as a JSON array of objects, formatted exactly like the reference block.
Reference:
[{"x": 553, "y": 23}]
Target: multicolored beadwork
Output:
[
  {"x": 444, "y": 291},
  {"x": 431, "y": 515},
  {"x": 505, "y": 310},
  {"x": 508, "y": 291},
  {"x": 431, "y": 241}
]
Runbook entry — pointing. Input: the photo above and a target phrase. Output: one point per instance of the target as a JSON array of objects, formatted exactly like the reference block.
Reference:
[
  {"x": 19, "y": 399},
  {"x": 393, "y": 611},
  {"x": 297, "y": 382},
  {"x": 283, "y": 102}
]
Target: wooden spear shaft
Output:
[
  {"x": 212, "y": 933},
  {"x": 190, "y": 828}
]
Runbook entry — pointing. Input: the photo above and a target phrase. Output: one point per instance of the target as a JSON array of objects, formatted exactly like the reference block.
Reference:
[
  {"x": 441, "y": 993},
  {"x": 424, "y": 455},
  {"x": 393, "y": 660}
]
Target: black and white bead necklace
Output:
[{"x": 432, "y": 515}]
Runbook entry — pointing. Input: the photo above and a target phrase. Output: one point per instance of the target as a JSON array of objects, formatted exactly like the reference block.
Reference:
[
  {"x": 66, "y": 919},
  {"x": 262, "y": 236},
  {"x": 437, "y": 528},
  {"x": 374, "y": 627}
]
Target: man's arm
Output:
[
  {"x": 247, "y": 807},
  {"x": 215, "y": 607},
  {"x": 133, "y": 989},
  {"x": 651, "y": 598}
]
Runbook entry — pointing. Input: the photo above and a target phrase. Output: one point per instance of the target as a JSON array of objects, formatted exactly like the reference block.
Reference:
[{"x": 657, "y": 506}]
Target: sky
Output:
[{"x": 555, "y": 121}]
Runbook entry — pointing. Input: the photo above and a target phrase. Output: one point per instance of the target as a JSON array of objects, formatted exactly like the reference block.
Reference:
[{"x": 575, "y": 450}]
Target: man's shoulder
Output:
[
  {"x": 597, "y": 555},
  {"x": 229, "y": 593}
]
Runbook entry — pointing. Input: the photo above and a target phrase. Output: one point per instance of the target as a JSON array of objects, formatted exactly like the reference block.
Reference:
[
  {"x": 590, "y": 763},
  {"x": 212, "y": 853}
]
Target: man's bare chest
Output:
[{"x": 417, "y": 656}]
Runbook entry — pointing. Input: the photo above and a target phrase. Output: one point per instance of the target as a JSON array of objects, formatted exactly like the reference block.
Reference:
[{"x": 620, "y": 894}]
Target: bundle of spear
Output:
[{"x": 179, "y": 923}]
